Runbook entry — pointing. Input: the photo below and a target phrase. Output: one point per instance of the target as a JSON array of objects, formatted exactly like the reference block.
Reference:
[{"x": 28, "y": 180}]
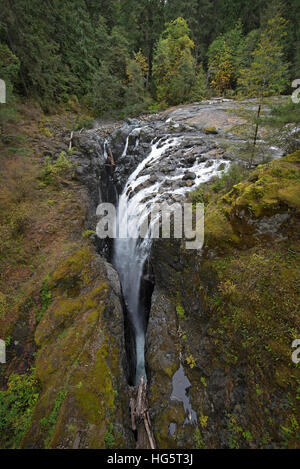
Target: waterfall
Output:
[
  {"x": 105, "y": 149},
  {"x": 126, "y": 147},
  {"x": 130, "y": 253}
]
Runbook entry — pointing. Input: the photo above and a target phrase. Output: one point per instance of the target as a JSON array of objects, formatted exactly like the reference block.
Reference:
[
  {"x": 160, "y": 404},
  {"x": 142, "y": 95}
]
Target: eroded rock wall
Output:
[
  {"x": 229, "y": 315},
  {"x": 81, "y": 359}
]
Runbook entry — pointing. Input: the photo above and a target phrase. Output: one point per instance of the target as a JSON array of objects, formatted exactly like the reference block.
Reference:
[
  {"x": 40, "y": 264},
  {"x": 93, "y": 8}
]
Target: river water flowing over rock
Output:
[
  {"x": 160, "y": 177},
  {"x": 130, "y": 254}
]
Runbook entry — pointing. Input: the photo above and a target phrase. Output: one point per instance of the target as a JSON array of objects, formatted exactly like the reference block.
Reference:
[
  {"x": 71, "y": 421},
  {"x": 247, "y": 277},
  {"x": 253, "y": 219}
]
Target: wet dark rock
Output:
[
  {"x": 228, "y": 156},
  {"x": 153, "y": 179},
  {"x": 80, "y": 170},
  {"x": 89, "y": 143},
  {"x": 190, "y": 160},
  {"x": 189, "y": 175},
  {"x": 118, "y": 140},
  {"x": 76, "y": 154},
  {"x": 202, "y": 158},
  {"x": 271, "y": 226},
  {"x": 191, "y": 140}
]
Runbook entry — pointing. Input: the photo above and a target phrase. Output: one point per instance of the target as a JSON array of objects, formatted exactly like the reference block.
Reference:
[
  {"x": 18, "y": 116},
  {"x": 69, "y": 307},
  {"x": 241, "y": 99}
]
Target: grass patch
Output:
[{"x": 46, "y": 298}]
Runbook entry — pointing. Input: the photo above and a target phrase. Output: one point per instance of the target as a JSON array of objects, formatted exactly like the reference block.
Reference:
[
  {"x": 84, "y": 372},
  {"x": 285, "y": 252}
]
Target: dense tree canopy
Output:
[{"x": 89, "y": 48}]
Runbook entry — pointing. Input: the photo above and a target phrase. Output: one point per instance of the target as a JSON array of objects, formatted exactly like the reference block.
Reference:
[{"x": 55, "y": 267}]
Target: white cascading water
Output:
[
  {"x": 130, "y": 253},
  {"x": 126, "y": 146}
]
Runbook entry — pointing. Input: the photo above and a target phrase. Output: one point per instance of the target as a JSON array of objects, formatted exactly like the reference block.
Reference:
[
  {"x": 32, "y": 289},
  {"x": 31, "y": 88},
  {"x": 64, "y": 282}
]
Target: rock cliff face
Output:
[
  {"x": 229, "y": 315},
  {"x": 81, "y": 360},
  {"x": 66, "y": 364}
]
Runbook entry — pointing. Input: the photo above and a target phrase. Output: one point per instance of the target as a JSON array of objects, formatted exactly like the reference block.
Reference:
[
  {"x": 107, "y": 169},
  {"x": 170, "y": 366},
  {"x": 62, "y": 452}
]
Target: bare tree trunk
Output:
[
  {"x": 256, "y": 130},
  {"x": 71, "y": 141}
]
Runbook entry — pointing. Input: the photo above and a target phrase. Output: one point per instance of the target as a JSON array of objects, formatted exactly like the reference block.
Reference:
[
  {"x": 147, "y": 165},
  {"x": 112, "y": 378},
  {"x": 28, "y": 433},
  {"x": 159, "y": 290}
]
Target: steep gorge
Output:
[
  {"x": 164, "y": 158},
  {"x": 202, "y": 393},
  {"x": 220, "y": 322},
  {"x": 188, "y": 384}
]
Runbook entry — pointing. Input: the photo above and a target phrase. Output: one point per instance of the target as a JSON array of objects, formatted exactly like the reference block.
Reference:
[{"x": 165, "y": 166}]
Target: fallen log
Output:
[{"x": 140, "y": 418}]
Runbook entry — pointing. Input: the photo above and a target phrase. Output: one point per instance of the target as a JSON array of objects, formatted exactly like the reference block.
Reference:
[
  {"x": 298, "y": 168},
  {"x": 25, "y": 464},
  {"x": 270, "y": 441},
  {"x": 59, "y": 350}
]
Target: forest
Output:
[{"x": 135, "y": 55}]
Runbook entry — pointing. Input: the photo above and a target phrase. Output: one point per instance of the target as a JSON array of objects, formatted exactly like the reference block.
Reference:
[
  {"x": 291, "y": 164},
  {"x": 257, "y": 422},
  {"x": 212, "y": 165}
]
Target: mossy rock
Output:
[
  {"x": 230, "y": 219},
  {"x": 81, "y": 352},
  {"x": 211, "y": 130}
]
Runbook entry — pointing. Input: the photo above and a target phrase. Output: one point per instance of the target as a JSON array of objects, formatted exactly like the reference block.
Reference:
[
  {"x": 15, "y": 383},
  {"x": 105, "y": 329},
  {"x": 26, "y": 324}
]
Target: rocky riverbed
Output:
[{"x": 208, "y": 133}]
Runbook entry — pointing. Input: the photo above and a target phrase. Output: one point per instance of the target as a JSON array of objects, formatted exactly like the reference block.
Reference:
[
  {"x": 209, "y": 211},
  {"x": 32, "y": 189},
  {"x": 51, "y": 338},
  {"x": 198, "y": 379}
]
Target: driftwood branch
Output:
[
  {"x": 140, "y": 418},
  {"x": 147, "y": 423},
  {"x": 71, "y": 141},
  {"x": 110, "y": 158}
]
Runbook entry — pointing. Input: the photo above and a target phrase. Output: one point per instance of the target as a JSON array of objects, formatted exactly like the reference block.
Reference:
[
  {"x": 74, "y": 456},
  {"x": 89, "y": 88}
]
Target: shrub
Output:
[
  {"x": 109, "y": 438},
  {"x": 85, "y": 123},
  {"x": 233, "y": 176},
  {"x": 198, "y": 439},
  {"x": 16, "y": 408},
  {"x": 51, "y": 172},
  {"x": 88, "y": 233},
  {"x": 180, "y": 311},
  {"x": 191, "y": 361}
]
